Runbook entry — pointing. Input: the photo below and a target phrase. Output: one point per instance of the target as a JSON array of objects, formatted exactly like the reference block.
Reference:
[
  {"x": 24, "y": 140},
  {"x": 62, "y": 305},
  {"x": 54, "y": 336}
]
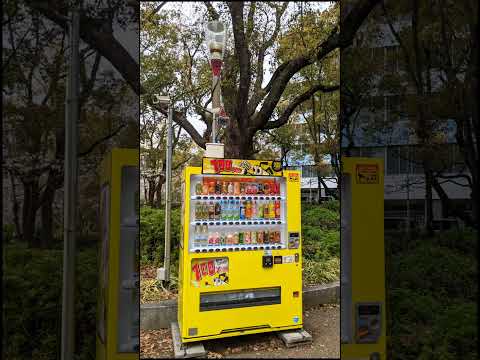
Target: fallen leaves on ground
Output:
[{"x": 156, "y": 344}]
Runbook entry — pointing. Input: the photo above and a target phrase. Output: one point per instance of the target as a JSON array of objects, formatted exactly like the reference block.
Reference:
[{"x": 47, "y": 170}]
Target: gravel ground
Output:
[{"x": 322, "y": 322}]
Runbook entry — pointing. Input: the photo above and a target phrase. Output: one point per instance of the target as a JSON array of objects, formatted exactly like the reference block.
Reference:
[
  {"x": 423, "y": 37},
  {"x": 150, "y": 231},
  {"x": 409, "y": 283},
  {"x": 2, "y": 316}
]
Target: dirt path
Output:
[{"x": 322, "y": 322}]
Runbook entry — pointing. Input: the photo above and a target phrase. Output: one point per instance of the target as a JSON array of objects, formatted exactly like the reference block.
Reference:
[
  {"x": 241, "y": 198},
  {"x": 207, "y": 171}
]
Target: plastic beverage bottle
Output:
[
  {"x": 237, "y": 209},
  {"x": 254, "y": 210},
  {"x": 230, "y": 188},
  {"x": 218, "y": 209},
  {"x": 265, "y": 210},
  {"x": 204, "y": 235},
  {"x": 242, "y": 211},
  {"x": 198, "y": 188},
  {"x": 205, "y": 187},
  {"x": 198, "y": 235},
  {"x": 260, "y": 211},
  {"x": 248, "y": 210},
  {"x": 271, "y": 210},
  {"x": 236, "y": 188},
  {"x": 277, "y": 209}
]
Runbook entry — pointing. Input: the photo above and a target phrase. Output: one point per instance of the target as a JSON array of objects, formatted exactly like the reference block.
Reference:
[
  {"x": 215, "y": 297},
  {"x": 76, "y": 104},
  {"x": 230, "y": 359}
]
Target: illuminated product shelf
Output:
[
  {"x": 243, "y": 247},
  {"x": 238, "y": 197},
  {"x": 238, "y": 222}
]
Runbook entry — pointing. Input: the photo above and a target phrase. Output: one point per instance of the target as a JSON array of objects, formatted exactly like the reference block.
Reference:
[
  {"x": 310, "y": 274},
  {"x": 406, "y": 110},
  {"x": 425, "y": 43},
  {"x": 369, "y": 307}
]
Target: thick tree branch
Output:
[
  {"x": 283, "y": 119},
  {"x": 93, "y": 33},
  {"x": 277, "y": 84},
  {"x": 212, "y": 13},
  {"x": 243, "y": 54},
  {"x": 181, "y": 120}
]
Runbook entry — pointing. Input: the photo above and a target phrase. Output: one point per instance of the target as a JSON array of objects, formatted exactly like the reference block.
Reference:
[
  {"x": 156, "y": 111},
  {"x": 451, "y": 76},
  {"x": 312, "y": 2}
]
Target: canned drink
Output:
[
  {"x": 260, "y": 237},
  {"x": 253, "y": 238},
  {"x": 248, "y": 238},
  {"x": 266, "y": 238},
  {"x": 241, "y": 238},
  {"x": 272, "y": 237}
]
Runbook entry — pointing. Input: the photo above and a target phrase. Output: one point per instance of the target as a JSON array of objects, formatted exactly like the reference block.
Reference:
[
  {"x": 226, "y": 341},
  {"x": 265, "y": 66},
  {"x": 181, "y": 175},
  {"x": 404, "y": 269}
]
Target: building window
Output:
[{"x": 391, "y": 59}]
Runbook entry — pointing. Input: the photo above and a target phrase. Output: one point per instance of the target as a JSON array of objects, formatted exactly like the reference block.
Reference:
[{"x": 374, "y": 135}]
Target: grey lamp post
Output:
[{"x": 164, "y": 273}]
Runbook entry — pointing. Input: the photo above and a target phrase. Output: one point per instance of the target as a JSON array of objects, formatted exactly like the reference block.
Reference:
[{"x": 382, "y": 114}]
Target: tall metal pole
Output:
[
  {"x": 215, "y": 105},
  {"x": 168, "y": 192},
  {"x": 70, "y": 191}
]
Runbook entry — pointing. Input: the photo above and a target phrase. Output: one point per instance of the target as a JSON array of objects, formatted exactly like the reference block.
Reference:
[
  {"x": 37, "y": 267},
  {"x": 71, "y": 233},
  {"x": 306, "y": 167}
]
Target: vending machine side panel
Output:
[
  {"x": 367, "y": 273},
  {"x": 184, "y": 263},
  {"x": 111, "y": 173}
]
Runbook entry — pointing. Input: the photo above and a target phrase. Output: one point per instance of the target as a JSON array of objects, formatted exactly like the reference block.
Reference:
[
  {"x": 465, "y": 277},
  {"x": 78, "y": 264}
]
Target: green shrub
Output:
[
  {"x": 431, "y": 299},
  {"x": 321, "y": 217},
  {"x": 333, "y": 205},
  {"x": 33, "y": 302},
  {"x": 435, "y": 269},
  {"x": 319, "y": 272},
  {"x": 152, "y": 235},
  {"x": 320, "y": 244}
]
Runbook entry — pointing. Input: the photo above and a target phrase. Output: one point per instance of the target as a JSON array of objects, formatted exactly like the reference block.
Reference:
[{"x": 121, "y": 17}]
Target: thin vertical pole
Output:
[
  {"x": 70, "y": 191},
  {"x": 215, "y": 105},
  {"x": 168, "y": 193}
]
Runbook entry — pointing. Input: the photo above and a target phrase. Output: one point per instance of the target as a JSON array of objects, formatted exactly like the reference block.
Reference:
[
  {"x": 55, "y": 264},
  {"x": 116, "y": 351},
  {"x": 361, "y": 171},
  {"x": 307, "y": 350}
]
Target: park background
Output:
[{"x": 431, "y": 275}]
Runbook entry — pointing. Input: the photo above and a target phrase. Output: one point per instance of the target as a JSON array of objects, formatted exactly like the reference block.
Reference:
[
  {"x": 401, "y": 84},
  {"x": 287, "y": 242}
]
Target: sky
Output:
[{"x": 188, "y": 10}]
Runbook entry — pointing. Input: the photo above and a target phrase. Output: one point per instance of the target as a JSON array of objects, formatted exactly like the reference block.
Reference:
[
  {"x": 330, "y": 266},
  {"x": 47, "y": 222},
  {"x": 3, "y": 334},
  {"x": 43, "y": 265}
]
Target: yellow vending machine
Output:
[
  {"x": 240, "y": 256},
  {"x": 118, "y": 287},
  {"x": 363, "y": 319}
]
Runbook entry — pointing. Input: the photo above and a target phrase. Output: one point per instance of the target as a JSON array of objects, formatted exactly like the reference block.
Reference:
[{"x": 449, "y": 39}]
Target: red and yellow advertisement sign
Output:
[
  {"x": 241, "y": 167},
  {"x": 210, "y": 272},
  {"x": 367, "y": 174}
]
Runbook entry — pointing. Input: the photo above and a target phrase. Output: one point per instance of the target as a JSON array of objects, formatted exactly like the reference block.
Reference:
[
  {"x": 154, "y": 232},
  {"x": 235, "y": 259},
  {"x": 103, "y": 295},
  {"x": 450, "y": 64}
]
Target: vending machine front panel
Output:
[{"x": 239, "y": 275}]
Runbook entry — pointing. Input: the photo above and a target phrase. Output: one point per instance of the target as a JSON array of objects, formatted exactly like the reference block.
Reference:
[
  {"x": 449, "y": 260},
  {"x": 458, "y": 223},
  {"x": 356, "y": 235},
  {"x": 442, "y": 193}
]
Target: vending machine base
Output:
[
  {"x": 295, "y": 338},
  {"x": 183, "y": 351}
]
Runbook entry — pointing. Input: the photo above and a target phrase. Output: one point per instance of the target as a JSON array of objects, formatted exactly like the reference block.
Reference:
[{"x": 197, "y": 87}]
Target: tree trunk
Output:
[
  {"x": 29, "y": 211},
  {"x": 151, "y": 193},
  {"x": 238, "y": 145},
  {"x": 46, "y": 232},
  {"x": 428, "y": 200},
  {"x": 158, "y": 191},
  {"x": 15, "y": 209}
]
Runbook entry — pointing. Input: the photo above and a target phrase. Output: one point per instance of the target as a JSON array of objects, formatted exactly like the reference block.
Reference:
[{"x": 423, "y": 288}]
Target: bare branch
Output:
[
  {"x": 283, "y": 119},
  {"x": 258, "y": 95},
  {"x": 285, "y": 72},
  {"x": 101, "y": 140}
]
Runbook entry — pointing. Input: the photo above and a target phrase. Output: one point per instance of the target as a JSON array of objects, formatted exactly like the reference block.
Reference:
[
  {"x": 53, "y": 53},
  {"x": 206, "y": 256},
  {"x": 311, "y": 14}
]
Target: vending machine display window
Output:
[{"x": 237, "y": 213}]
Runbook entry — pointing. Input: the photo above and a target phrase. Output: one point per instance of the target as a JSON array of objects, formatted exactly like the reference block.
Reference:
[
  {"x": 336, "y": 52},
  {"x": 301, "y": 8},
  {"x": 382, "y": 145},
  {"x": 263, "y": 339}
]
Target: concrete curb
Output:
[{"x": 159, "y": 315}]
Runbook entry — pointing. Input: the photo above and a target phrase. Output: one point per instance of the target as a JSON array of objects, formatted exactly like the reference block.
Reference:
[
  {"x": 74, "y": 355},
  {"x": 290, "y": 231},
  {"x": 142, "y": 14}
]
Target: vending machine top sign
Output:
[{"x": 241, "y": 167}]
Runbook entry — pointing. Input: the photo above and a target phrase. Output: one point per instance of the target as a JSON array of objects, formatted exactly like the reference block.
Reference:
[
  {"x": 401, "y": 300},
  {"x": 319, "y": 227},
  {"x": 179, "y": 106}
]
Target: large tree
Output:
[
  {"x": 249, "y": 103},
  {"x": 34, "y": 90}
]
